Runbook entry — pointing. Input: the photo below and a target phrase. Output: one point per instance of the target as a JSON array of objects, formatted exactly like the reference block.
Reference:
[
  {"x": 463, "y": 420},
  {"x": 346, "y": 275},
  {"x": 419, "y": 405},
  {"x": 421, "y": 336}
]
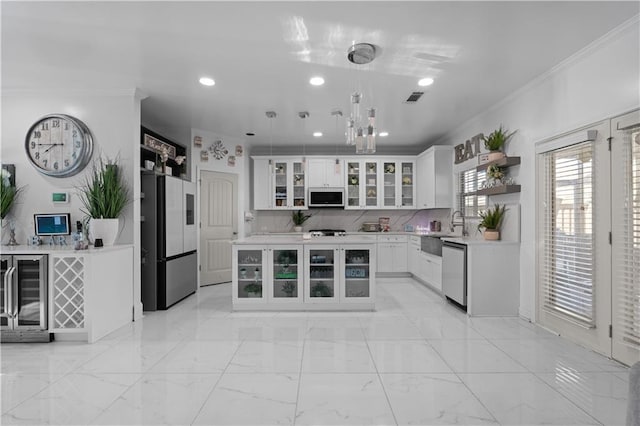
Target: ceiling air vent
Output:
[{"x": 413, "y": 98}]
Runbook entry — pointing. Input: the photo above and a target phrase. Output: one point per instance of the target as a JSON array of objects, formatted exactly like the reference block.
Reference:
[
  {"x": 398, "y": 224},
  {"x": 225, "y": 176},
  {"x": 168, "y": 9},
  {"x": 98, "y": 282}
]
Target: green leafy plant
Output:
[
  {"x": 495, "y": 172},
  {"x": 320, "y": 289},
  {"x": 496, "y": 139},
  {"x": 299, "y": 218},
  {"x": 289, "y": 287},
  {"x": 492, "y": 217},
  {"x": 8, "y": 193},
  {"x": 253, "y": 288},
  {"x": 104, "y": 194}
]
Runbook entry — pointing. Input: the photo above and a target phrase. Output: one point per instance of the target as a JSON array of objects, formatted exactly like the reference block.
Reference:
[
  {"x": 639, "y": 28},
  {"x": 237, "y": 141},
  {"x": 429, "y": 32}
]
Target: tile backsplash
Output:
[{"x": 349, "y": 220}]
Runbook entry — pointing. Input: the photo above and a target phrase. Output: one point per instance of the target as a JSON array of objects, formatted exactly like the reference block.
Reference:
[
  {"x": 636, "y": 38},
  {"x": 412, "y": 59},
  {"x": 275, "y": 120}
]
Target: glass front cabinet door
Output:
[
  {"x": 289, "y": 185},
  {"x": 322, "y": 279},
  {"x": 249, "y": 265},
  {"x": 357, "y": 270},
  {"x": 398, "y": 188},
  {"x": 286, "y": 265},
  {"x": 362, "y": 184}
]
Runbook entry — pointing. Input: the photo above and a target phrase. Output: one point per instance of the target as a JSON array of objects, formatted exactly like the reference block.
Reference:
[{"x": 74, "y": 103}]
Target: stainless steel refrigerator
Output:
[{"x": 168, "y": 231}]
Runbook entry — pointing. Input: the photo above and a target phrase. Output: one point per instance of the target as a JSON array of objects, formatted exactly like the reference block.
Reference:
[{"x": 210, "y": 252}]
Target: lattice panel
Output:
[{"x": 68, "y": 292}]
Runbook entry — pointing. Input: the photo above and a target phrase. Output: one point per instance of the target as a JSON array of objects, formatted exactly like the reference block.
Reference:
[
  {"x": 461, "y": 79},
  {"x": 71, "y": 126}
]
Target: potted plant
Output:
[
  {"x": 289, "y": 288},
  {"x": 8, "y": 192},
  {"x": 495, "y": 142},
  {"x": 491, "y": 220},
  {"x": 104, "y": 196},
  {"x": 320, "y": 289},
  {"x": 298, "y": 219},
  {"x": 253, "y": 290}
]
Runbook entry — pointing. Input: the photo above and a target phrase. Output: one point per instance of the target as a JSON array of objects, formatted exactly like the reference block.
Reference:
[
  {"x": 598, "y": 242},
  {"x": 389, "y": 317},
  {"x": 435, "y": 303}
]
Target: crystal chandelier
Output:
[{"x": 359, "y": 132}]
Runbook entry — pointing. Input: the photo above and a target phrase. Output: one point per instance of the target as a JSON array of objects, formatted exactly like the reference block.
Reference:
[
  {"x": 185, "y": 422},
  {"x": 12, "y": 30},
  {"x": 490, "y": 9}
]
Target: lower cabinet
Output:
[
  {"x": 424, "y": 266},
  {"x": 300, "y": 277},
  {"x": 392, "y": 254}
]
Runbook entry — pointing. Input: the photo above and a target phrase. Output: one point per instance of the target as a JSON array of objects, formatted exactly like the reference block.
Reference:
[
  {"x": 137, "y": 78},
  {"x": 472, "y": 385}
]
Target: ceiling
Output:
[{"x": 262, "y": 55}]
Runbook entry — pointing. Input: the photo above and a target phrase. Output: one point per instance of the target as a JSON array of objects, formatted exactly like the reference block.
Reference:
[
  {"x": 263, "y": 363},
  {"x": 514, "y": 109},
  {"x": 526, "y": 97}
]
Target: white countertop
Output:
[
  {"x": 50, "y": 249},
  {"x": 475, "y": 241},
  {"x": 296, "y": 238}
]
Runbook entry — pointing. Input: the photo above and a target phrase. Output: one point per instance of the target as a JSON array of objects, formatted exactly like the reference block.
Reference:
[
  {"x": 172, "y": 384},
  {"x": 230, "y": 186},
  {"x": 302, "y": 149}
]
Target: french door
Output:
[
  {"x": 589, "y": 236},
  {"x": 574, "y": 268},
  {"x": 625, "y": 212}
]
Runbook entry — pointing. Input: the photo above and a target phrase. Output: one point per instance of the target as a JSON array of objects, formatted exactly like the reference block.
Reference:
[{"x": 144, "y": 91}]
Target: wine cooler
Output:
[{"x": 23, "y": 299}]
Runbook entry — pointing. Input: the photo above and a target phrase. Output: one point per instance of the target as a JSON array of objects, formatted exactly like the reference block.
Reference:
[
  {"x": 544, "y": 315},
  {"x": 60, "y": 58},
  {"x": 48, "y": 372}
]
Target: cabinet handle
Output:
[
  {"x": 14, "y": 293},
  {"x": 7, "y": 274}
]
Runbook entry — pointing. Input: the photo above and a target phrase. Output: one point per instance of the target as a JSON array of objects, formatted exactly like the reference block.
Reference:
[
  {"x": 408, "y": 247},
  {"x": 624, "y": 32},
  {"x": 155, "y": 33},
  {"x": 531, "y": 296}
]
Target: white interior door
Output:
[
  {"x": 219, "y": 225},
  {"x": 625, "y": 192}
]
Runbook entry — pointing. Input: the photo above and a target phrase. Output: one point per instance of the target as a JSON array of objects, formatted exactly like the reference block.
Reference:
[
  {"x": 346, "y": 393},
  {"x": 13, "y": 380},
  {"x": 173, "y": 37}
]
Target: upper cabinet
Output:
[
  {"x": 279, "y": 184},
  {"x": 325, "y": 173},
  {"x": 362, "y": 180},
  {"x": 398, "y": 186},
  {"x": 435, "y": 178},
  {"x": 152, "y": 146}
]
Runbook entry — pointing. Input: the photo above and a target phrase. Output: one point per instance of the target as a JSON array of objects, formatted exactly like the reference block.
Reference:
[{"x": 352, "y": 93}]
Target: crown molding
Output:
[{"x": 131, "y": 92}]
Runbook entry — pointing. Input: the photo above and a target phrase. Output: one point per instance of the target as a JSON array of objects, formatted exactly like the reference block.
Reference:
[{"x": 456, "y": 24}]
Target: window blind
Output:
[
  {"x": 628, "y": 265},
  {"x": 469, "y": 181},
  {"x": 567, "y": 274}
]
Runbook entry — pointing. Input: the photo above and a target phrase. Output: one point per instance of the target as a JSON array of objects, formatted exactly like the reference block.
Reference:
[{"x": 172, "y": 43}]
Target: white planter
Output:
[
  {"x": 297, "y": 228},
  {"x": 106, "y": 229},
  {"x": 491, "y": 235}
]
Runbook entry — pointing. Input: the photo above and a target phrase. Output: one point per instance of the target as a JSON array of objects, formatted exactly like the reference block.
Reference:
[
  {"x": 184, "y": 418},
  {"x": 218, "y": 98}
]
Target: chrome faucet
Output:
[{"x": 453, "y": 224}]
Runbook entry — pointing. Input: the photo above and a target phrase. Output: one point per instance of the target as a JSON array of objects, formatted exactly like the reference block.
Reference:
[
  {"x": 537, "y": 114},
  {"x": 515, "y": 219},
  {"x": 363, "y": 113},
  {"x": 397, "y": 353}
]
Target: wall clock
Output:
[
  {"x": 218, "y": 150},
  {"x": 59, "y": 145}
]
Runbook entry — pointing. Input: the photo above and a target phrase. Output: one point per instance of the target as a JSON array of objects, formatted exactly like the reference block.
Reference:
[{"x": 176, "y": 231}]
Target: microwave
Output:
[{"x": 326, "y": 197}]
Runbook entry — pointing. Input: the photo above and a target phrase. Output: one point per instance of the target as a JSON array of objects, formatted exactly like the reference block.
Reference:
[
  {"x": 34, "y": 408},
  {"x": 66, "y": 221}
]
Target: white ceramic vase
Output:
[
  {"x": 106, "y": 229},
  {"x": 297, "y": 228}
]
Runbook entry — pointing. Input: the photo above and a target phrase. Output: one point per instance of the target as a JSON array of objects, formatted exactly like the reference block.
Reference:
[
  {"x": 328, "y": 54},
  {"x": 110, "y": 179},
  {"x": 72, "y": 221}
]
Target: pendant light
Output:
[
  {"x": 358, "y": 133},
  {"x": 271, "y": 115}
]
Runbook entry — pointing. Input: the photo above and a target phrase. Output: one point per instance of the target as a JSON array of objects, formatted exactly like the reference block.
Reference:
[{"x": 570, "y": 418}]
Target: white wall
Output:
[
  {"x": 114, "y": 121},
  {"x": 599, "y": 82}
]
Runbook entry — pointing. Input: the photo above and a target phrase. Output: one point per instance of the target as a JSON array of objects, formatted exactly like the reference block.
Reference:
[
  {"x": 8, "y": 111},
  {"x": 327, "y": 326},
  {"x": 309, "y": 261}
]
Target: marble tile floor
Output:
[{"x": 416, "y": 360}]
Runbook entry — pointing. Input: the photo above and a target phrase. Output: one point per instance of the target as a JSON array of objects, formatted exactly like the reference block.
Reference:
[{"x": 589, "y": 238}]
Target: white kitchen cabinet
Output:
[
  {"x": 362, "y": 179},
  {"x": 398, "y": 184},
  {"x": 435, "y": 178},
  {"x": 280, "y": 184},
  {"x": 264, "y": 274},
  {"x": 431, "y": 270},
  {"x": 342, "y": 274},
  {"x": 262, "y": 181},
  {"x": 323, "y": 173},
  {"x": 413, "y": 252},
  {"x": 250, "y": 271},
  {"x": 392, "y": 254},
  {"x": 289, "y": 185}
]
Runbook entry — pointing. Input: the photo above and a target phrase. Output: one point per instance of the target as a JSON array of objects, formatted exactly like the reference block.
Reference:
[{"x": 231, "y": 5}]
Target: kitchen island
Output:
[{"x": 290, "y": 272}]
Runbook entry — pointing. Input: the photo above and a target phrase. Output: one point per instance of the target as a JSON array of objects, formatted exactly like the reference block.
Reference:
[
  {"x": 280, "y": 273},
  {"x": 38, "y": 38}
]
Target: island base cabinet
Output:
[{"x": 303, "y": 277}]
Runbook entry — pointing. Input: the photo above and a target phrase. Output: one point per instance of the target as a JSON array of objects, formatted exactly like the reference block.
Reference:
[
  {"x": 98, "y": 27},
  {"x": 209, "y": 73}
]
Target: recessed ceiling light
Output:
[
  {"x": 206, "y": 81},
  {"x": 425, "y": 82},
  {"x": 317, "y": 134},
  {"x": 250, "y": 134},
  {"x": 383, "y": 134},
  {"x": 316, "y": 81}
]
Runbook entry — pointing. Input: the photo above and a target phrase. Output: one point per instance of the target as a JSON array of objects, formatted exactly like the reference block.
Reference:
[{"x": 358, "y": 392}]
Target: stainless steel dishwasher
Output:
[{"x": 454, "y": 272}]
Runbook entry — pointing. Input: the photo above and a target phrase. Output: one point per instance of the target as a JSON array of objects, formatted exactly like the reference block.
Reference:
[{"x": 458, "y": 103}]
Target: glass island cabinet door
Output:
[
  {"x": 286, "y": 264},
  {"x": 357, "y": 273},
  {"x": 322, "y": 284},
  {"x": 249, "y": 271}
]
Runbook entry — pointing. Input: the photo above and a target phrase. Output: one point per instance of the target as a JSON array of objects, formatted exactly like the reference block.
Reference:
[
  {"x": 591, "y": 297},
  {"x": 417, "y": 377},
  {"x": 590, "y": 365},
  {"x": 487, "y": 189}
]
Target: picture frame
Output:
[
  {"x": 197, "y": 141},
  {"x": 231, "y": 161},
  {"x": 204, "y": 155},
  {"x": 158, "y": 146},
  {"x": 239, "y": 150}
]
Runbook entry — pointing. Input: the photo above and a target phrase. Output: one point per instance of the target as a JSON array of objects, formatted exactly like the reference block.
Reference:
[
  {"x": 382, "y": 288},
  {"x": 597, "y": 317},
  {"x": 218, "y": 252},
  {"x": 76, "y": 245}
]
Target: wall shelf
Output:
[
  {"x": 497, "y": 190},
  {"x": 503, "y": 162}
]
